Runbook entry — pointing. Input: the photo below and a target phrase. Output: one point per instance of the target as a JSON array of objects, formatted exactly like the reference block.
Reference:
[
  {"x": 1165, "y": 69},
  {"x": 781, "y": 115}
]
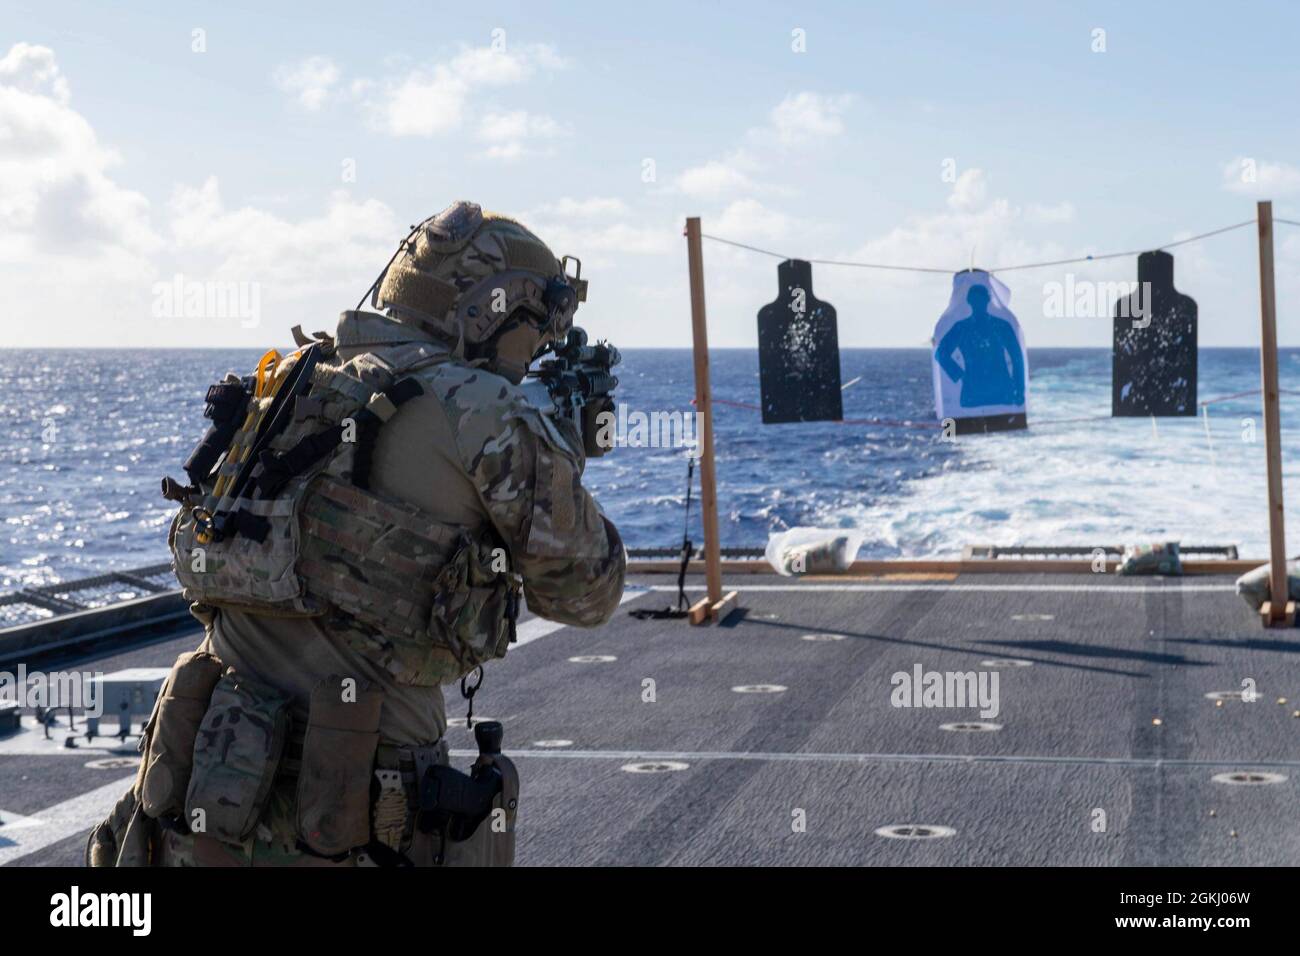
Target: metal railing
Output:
[
  {"x": 33, "y": 604},
  {"x": 992, "y": 552},
  {"x": 29, "y": 605}
]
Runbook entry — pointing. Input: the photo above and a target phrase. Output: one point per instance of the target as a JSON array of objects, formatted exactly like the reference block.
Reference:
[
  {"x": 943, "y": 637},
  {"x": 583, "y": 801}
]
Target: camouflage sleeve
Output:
[{"x": 530, "y": 479}]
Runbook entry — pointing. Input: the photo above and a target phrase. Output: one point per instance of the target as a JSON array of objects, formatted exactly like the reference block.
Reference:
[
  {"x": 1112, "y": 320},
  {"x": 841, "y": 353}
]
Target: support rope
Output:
[{"x": 1011, "y": 268}]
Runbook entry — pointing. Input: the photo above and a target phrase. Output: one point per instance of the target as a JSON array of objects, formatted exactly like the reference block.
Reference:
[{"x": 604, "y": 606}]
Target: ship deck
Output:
[{"x": 1107, "y": 751}]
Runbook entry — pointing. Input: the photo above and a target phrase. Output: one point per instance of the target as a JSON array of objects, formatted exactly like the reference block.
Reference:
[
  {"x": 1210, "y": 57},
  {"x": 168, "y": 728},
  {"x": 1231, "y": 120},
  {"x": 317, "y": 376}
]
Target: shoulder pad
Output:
[{"x": 483, "y": 407}]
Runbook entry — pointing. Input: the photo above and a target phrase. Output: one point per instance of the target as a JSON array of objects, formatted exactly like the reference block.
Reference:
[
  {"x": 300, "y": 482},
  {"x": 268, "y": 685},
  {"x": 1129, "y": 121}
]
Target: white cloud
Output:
[
  {"x": 969, "y": 190},
  {"x": 1261, "y": 178},
  {"x": 804, "y": 117},
  {"x": 328, "y": 251},
  {"x": 712, "y": 180},
  {"x": 1058, "y": 213},
  {"x": 583, "y": 228},
  {"x": 508, "y": 134},
  {"x": 33, "y": 69},
  {"x": 983, "y": 232},
  {"x": 595, "y": 207},
  {"x": 309, "y": 81},
  {"x": 432, "y": 100},
  {"x": 597, "y": 243},
  {"x": 799, "y": 120},
  {"x": 335, "y": 252},
  {"x": 750, "y": 219},
  {"x": 624, "y": 237},
  {"x": 55, "y": 191},
  {"x": 419, "y": 104},
  {"x": 77, "y": 246}
]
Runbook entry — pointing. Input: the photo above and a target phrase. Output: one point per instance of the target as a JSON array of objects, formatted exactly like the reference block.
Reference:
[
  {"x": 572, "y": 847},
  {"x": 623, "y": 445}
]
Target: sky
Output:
[{"x": 213, "y": 174}]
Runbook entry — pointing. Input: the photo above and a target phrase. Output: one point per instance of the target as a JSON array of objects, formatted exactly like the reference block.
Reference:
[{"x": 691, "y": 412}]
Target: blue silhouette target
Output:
[
  {"x": 980, "y": 366},
  {"x": 798, "y": 351}
]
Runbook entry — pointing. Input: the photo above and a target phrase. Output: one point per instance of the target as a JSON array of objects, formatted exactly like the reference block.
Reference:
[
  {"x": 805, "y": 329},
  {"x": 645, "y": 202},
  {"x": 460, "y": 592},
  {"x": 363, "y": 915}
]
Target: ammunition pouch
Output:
[
  {"x": 475, "y": 608},
  {"x": 338, "y": 757},
  {"x": 127, "y": 837},
  {"x": 238, "y": 747},
  {"x": 169, "y": 736},
  {"x": 131, "y": 835}
]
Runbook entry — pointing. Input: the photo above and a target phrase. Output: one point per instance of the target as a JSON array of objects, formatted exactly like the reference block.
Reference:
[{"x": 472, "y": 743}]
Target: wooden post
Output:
[
  {"x": 714, "y": 606},
  {"x": 1279, "y": 609}
]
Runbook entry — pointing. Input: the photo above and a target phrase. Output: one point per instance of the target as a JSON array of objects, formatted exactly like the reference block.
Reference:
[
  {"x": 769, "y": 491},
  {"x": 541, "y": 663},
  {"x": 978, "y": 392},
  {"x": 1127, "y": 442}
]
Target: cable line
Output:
[{"x": 1011, "y": 268}]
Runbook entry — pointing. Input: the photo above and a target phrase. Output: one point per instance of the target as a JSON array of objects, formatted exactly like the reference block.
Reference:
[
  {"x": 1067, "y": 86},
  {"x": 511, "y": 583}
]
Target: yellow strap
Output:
[
  {"x": 283, "y": 369},
  {"x": 272, "y": 370},
  {"x": 265, "y": 368}
]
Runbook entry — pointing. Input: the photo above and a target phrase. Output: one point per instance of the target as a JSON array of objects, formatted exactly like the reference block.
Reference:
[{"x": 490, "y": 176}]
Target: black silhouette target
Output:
[
  {"x": 1153, "y": 368},
  {"x": 798, "y": 351}
]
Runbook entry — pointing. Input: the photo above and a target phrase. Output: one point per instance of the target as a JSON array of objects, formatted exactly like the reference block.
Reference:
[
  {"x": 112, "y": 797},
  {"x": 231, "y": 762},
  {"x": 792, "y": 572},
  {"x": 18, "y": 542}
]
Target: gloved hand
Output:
[{"x": 598, "y": 427}]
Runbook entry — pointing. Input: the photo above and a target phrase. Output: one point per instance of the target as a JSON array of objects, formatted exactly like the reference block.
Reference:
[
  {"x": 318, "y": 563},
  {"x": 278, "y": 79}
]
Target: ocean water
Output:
[{"x": 89, "y": 434}]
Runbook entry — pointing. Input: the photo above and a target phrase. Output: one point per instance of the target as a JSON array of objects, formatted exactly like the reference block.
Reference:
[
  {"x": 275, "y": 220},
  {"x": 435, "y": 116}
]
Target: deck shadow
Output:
[
  {"x": 931, "y": 645},
  {"x": 1245, "y": 644},
  {"x": 1089, "y": 650}
]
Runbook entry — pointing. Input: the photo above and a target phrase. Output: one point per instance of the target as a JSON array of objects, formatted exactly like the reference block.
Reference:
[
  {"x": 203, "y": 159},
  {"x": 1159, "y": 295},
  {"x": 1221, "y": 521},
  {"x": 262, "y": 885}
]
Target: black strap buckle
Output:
[{"x": 224, "y": 401}]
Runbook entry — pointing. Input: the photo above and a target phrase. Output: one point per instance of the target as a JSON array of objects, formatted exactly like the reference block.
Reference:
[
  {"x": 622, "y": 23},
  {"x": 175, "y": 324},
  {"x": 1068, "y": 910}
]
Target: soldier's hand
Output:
[{"x": 598, "y": 426}]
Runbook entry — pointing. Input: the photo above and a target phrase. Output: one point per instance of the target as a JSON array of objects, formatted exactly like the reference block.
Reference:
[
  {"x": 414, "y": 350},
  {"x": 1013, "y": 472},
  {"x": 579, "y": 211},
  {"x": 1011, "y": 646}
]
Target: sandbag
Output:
[
  {"x": 1253, "y": 586},
  {"x": 813, "y": 550},
  {"x": 1151, "y": 559}
]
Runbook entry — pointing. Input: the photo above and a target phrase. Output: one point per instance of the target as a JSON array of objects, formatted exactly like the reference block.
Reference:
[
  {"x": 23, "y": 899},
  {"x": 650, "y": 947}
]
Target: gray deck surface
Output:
[{"x": 1078, "y": 731}]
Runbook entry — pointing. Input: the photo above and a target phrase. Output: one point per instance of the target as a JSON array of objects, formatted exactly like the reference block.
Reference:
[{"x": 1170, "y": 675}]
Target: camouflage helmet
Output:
[{"x": 462, "y": 273}]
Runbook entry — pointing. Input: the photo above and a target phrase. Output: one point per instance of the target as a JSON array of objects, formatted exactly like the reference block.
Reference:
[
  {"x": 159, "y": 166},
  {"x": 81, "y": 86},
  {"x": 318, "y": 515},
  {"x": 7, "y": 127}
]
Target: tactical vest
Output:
[{"x": 285, "y": 522}]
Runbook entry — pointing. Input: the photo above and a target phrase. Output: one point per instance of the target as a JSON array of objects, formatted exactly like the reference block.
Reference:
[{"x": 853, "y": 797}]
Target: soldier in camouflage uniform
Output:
[{"x": 314, "y": 702}]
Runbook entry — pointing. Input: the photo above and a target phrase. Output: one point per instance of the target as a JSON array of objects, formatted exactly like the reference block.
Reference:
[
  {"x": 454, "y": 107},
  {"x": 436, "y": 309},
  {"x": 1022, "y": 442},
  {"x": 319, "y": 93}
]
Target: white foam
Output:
[{"x": 1112, "y": 481}]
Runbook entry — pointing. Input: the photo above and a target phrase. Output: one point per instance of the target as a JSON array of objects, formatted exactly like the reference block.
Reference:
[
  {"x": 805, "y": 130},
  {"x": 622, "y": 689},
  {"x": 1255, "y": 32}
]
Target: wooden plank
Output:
[
  {"x": 1278, "y": 587},
  {"x": 721, "y": 609},
  {"x": 1287, "y": 619},
  {"x": 699, "y": 612},
  {"x": 704, "y": 409}
]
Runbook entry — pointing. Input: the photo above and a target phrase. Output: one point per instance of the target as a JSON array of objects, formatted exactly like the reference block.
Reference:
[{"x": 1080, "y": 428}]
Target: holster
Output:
[
  {"x": 492, "y": 841},
  {"x": 470, "y": 816}
]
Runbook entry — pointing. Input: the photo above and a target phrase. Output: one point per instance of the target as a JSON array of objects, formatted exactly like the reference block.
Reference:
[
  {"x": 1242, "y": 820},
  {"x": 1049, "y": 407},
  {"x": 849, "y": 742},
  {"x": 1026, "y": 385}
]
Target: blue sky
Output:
[{"x": 127, "y": 157}]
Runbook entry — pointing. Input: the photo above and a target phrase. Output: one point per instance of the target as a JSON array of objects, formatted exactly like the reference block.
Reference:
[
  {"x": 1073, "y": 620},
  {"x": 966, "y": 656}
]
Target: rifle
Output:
[{"x": 577, "y": 384}]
